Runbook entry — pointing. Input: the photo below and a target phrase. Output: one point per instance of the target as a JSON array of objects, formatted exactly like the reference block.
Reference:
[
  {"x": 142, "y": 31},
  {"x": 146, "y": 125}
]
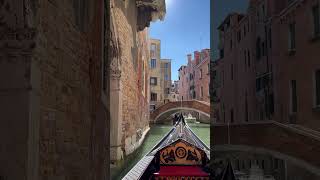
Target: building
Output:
[
  {"x": 175, "y": 86},
  {"x": 233, "y": 74},
  {"x": 166, "y": 76},
  {"x": 160, "y": 75},
  {"x": 53, "y": 97},
  {"x": 183, "y": 93},
  {"x": 194, "y": 78},
  {"x": 59, "y": 65},
  {"x": 130, "y": 75},
  {"x": 202, "y": 75},
  {"x": 268, "y": 67}
]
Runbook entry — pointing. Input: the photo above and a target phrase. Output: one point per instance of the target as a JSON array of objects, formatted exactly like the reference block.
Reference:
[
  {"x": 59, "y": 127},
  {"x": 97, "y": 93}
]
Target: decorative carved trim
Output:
[
  {"x": 150, "y": 10},
  {"x": 17, "y": 41},
  {"x": 114, "y": 49}
]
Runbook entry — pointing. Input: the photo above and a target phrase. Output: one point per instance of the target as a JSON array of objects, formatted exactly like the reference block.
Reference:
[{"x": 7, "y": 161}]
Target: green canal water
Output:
[{"x": 154, "y": 136}]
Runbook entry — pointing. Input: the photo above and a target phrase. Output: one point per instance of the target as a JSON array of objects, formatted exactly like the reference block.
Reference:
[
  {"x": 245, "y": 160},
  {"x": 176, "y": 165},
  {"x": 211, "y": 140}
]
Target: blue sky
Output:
[
  {"x": 221, "y": 8},
  {"x": 185, "y": 29}
]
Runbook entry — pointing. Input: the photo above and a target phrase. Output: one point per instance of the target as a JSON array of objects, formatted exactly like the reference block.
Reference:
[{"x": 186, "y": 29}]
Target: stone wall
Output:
[
  {"x": 52, "y": 55},
  {"x": 129, "y": 78}
]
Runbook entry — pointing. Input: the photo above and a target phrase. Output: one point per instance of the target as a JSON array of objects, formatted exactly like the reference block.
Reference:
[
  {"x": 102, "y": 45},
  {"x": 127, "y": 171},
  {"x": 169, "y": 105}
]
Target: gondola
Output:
[{"x": 180, "y": 154}]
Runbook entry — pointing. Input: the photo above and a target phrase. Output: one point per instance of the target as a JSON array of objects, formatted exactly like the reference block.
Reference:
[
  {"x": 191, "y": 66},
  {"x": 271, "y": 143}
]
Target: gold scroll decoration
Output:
[{"x": 180, "y": 153}]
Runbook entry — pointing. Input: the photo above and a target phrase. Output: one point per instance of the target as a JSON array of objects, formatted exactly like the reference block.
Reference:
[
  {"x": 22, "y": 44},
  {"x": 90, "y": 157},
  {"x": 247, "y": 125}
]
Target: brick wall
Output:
[
  {"x": 59, "y": 118},
  {"x": 133, "y": 64}
]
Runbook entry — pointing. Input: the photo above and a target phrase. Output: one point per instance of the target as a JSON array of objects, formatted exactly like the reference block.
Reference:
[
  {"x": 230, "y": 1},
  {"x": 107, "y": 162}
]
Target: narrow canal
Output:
[{"x": 154, "y": 136}]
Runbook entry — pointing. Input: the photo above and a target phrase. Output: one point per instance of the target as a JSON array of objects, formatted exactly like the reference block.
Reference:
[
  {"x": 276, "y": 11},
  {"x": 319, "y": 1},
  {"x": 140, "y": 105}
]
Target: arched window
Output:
[{"x": 258, "y": 48}]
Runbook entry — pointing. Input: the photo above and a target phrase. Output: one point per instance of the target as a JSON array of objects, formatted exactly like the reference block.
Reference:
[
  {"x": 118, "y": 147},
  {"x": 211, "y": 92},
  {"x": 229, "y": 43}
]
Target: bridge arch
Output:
[
  {"x": 172, "y": 107},
  {"x": 263, "y": 151},
  {"x": 277, "y": 139}
]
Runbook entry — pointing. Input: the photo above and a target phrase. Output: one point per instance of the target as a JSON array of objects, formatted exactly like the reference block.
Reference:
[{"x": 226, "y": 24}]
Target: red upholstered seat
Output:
[{"x": 194, "y": 171}]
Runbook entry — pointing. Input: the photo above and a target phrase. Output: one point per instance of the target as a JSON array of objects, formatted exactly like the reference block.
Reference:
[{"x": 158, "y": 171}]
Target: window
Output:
[
  {"x": 153, "y": 96},
  {"x": 153, "y": 80},
  {"x": 258, "y": 48},
  {"x": 230, "y": 44},
  {"x": 153, "y": 50},
  {"x": 224, "y": 113},
  {"x": 167, "y": 90},
  {"x": 258, "y": 84},
  {"x": 246, "y": 108},
  {"x": 231, "y": 71},
  {"x": 166, "y": 77},
  {"x": 263, "y": 49},
  {"x": 249, "y": 58},
  {"x": 222, "y": 77},
  {"x": 152, "y": 107},
  {"x": 292, "y": 36},
  {"x": 231, "y": 115},
  {"x": 153, "y": 63},
  {"x": 293, "y": 96},
  {"x": 201, "y": 91},
  {"x": 316, "y": 20},
  {"x": 200, "y": 74},
  {"x": 208, "y": 68},
  {"x": 221, "y": 53},
  {"x": 270, "y": 38},
  {"x": 166, "y": 65},
  {"x": 245, "y": 57},
  {"x": 239, "y": 36},
  {"x": 214, "y": 75},
  {"x": 317, "y": 79}
]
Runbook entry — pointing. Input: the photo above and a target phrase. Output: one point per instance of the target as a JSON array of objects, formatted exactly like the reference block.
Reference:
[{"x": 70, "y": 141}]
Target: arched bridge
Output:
[
  {"x": 292, "y": 143},
  {"x": 169, "y": 108}
]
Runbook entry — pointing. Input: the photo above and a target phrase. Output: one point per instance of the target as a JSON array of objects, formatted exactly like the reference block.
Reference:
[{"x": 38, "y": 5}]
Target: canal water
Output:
[{"x": 154, "y": 136}]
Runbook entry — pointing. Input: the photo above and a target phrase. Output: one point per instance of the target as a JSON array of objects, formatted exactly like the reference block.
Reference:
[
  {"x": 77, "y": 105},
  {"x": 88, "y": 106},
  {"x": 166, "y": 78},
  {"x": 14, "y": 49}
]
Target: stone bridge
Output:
[
  {"x": 292, "y": 143},
  {"x": 169, "y": 108}
]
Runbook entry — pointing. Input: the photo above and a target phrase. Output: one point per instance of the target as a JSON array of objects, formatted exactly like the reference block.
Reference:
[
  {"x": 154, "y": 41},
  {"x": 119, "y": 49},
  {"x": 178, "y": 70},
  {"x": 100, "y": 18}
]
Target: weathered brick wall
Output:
[
  {"x": 18, "y": 136},
  {"x": 62, "y": 122},
  {"x": 134, "y": 54},
  {"x": 69, "y": 56}
]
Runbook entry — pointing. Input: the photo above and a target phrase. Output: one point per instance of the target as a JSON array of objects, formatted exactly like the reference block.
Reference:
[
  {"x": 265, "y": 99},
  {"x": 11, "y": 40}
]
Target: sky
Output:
[
  {"x": 186, "y": 27},
  {"x": 221, "y": 8}
]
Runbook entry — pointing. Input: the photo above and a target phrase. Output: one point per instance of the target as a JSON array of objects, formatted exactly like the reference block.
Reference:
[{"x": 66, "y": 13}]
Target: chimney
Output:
[
  {"x": 197, "y": 57},
  {"x": 189, "y": 58}
]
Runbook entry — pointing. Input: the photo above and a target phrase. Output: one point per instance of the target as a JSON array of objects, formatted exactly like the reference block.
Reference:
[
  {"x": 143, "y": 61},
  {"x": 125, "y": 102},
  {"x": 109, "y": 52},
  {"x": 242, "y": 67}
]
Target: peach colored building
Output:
[{"x": 194, "y": 77}]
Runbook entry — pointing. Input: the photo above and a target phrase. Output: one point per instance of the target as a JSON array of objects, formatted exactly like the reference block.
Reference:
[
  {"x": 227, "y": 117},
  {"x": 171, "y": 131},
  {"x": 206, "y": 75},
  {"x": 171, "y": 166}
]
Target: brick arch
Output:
[
  {"x": 194, "y": 105},
  {"x": 273, "y": 137},
  {"x": 263, "y": 151}
]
